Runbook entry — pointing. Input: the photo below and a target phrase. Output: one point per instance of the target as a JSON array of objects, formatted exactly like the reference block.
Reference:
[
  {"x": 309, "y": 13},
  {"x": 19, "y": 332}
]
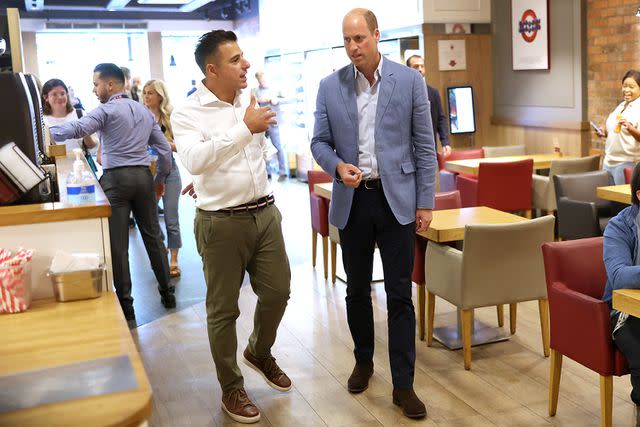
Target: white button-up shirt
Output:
[
  {"x": 367, "y": 102},
  {"x": 214, "y": 144}
]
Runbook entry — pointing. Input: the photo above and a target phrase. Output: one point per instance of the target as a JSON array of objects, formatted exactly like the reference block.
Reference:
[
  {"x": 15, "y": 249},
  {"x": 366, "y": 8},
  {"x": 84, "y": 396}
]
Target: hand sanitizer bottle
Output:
[{"x": 80, "y": 184}]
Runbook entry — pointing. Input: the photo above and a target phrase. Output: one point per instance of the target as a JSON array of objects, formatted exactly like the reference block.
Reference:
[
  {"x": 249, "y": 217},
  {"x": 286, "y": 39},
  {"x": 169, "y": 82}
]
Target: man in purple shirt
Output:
[{"x": 127, "y": 129}]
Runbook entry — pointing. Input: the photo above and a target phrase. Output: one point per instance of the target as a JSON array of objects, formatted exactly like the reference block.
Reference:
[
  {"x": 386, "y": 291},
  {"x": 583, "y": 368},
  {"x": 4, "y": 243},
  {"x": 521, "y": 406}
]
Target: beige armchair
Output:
[
  {"x": 544, "y": 193},
  {"x": 500, "y": 264},
  {"x": 505, "y": 150}
]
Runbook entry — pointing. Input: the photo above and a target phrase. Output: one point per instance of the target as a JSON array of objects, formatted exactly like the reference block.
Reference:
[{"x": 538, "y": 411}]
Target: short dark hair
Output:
[
  {"x": 46, "y": 88},
  {"x": 634, "y": 74},
  {"x": 410, "y": 58},
  {"x": 108, "y": 70},
  {"x": 635, "y": 185},
  {"x": 208, "y": 45}
]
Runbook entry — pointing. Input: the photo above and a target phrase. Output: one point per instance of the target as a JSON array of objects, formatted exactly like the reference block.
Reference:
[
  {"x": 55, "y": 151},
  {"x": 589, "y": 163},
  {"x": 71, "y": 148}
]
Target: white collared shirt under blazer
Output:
[
  {"x": 622, "y": 147},
  {"x": 214, "y": 144}
]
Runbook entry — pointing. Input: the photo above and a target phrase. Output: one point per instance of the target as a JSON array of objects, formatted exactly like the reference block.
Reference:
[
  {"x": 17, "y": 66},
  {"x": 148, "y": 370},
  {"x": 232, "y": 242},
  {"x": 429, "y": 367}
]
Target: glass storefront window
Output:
[
  {"x": 179, "y": 66},
  {"x": 75, "y": 65}
]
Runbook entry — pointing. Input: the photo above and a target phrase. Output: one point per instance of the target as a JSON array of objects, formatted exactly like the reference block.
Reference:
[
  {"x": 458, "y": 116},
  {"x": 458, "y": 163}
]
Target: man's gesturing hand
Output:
[
  {"x": 349, "y": 174},
  {"x": 258, "y": 119}
]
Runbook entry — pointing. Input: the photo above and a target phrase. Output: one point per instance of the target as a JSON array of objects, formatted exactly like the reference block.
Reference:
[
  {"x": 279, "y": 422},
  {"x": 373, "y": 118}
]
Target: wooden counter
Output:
[
  {"x": 51, "y": 227},
  {"x": 51, "y": 334},
  {"x": 57, "y": 211}
]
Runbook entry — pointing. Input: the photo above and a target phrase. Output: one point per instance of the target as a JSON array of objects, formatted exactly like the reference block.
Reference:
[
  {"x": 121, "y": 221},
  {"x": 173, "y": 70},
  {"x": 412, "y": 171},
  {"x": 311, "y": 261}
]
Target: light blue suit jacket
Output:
[{"x": 404, "y": 144}]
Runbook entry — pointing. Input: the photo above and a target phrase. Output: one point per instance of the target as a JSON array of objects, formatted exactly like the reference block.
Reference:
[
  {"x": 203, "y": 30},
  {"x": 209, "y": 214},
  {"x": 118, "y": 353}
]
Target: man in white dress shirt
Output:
[{"x": 237, "y": 227}]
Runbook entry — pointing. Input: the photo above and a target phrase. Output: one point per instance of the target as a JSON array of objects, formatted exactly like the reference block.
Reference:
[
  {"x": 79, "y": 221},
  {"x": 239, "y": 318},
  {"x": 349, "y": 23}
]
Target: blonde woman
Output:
[{"x": 156, "y": 98}]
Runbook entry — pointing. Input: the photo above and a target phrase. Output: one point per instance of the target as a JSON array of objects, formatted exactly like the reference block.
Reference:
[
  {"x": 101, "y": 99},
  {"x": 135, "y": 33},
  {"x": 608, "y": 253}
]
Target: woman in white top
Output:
[
  {"x": 57, "y": 109},
  {"x": 622, "y": 147}
]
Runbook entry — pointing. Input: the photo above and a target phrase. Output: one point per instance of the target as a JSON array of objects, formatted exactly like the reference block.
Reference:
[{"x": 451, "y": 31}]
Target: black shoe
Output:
[
  {"x": 282, "y": 178},
  {"x": 412, "y": 406},
  {"x": 359, "y": 379},
  {"x": 168, "y": 299}
]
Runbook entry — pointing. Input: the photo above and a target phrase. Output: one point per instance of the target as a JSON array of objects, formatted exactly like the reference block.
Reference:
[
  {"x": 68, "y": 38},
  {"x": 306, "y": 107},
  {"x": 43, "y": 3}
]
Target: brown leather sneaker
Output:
[
  {"x": 269, "y": 369},
  {"x": 411, "y": 405},
  {"x": 237, "y": 405},
  {"x": 359, "y": 379}
]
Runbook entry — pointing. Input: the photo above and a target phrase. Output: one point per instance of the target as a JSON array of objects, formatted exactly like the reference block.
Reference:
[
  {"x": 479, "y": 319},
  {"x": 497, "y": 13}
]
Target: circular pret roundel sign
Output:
[{"x": 529, "y": 25}]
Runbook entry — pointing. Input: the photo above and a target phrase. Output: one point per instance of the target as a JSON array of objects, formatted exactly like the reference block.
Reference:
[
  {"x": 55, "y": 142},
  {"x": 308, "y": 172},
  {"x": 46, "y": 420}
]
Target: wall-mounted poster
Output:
[
  {"x": 452, "y": 55},
  {"x": 530, "y": 34}
]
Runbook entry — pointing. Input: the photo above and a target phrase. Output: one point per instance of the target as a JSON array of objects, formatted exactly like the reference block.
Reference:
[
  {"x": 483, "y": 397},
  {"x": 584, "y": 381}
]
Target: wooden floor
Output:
[{"x": 507, "y": 384}]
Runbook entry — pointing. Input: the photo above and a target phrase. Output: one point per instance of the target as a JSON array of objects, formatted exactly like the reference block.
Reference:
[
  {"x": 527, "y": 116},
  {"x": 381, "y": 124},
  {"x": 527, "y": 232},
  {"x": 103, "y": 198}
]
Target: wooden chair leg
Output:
[
  {"x": 314, "y": 244},
  {"x": 513, "y": 312},
  {"x": 500, "y": 311},
  {"x": 431, "y": 308},
  {"x": 467, "y": 316},
  {"x": 554, "y": 381},
  {"x": 421, "y": 310},
  {"x": 606, "y": 400},
  {"x": 334, "y": 250},
  {"x": 527, "y": 214},
  {"x": 543, "y": 306},
  {"x": 325, "y": 256}
]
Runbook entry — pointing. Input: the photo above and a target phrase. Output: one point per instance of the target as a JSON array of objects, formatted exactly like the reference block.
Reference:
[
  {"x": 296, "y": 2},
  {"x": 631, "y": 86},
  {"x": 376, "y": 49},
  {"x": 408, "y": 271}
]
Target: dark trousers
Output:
[
  {"x": 131, "y": 189},
  {"x": 372, "y": 222},
  {"x": 627, "y": 338}
]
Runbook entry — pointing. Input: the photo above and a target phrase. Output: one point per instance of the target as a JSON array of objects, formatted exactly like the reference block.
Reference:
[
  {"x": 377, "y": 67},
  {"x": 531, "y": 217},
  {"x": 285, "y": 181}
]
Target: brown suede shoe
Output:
[
  {"x": 359, "y": 379},
  {"x": 269, "y": 369},
  {"x": 411, "y": 405},
  {"x": 237, "y": 405}
]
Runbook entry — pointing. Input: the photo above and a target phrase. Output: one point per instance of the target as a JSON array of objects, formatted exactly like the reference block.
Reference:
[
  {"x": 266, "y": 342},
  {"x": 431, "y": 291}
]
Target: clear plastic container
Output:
[{"x": 15, "y": 288}]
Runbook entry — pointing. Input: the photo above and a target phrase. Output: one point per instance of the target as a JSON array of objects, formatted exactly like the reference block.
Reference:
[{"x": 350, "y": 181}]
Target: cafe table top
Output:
[
  {"x": 617, "y": 193},
  {"x": 470, "y": 166},
  {"x": 448, "y": 225},
  {"x": 627, "y": 301}
]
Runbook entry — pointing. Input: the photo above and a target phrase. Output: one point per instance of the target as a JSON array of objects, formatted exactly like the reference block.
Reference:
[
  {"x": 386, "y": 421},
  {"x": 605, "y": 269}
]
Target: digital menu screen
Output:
[{"x": 461, "y": 111}]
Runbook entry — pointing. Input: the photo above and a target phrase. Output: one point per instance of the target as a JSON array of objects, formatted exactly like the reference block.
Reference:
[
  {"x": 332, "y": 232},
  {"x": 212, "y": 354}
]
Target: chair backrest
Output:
[
  {"x": 502, "y": 263},
  {"x": 578, "y": 264},
  {"x": 317, "y": 177},
  {"x": 582, "y": 186},
  {"x": 446, "y": 200},
  {"x": 476, "y": 153},
  {"x": 628, "y": 173},
  {"x": 567, "y": 166},
  {"x": 580, "y": 320},
  {"x": 505, "y": 185},
  {"x": 505, "y": 150}
]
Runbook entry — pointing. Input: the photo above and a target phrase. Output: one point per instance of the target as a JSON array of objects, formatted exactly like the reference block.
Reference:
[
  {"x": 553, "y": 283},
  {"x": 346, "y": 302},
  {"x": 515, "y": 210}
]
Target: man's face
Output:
[
  {"x": 417, "y": 63},
  {"x": 361, "y": 45},
  {"x": 230, "y": 67},
  {"x": 101, "y": 88}
]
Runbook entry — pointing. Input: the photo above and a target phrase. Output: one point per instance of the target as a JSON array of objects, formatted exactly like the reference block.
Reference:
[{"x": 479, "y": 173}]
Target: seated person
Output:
[{"x": 622, "y": 262}]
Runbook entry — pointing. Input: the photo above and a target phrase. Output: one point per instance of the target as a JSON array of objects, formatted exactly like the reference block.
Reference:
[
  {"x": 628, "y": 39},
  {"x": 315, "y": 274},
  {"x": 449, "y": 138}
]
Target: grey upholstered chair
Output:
[
  {"x": 580, "y": 212},
  {"x": 544, "y": 194},
  {"x": 500, "y": 264},
  {"x": 505, "y": 150}
]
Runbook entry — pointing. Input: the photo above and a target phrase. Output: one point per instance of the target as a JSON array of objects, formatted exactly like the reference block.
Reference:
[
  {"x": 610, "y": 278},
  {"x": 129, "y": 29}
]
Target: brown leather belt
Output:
[{"x": 261, "y": 203}]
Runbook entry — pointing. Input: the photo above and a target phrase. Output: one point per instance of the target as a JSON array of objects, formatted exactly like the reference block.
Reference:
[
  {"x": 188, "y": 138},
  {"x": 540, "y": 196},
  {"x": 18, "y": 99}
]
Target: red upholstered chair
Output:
[
  {"x": 628, "y": 172},
  {"x": 319, "y": 218},
  {"x": 580, "y": 322},
  {"x": 447, "y": 200},
  {"x": 505, "y": 186},
  {"x": 447, "y": 178}
]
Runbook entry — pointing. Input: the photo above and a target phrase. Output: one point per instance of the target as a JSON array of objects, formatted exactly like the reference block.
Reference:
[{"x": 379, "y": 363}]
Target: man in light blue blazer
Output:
[{"x": 373, "y": 133}]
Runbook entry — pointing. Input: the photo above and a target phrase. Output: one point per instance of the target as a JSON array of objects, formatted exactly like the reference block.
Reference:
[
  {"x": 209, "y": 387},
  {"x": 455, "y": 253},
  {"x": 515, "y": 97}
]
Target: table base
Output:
[{"x": 481, "y": 333}]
